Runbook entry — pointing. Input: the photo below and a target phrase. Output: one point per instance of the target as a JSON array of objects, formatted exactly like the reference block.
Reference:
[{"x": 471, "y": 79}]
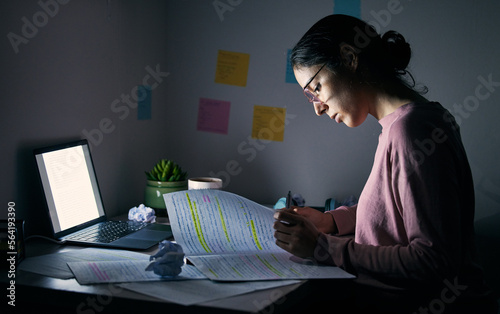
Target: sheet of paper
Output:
[
  {"x": 213, "y": 115},
  {"x": 55, "y": 265},
  {"x": 230, "y": 238},
  {"x": 262, "y": 266},
  {"x": 215, "y": 221},
  {"x": 181, "y": 292},
  {"x": 232, "y": 68},
  {"x": 268, "y": 123},
  {"x": 124, "y": 271}
]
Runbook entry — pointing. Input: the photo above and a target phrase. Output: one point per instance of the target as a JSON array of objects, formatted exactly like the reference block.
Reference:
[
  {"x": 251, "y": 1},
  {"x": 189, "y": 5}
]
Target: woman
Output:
[{"x": 413, "y": 224}]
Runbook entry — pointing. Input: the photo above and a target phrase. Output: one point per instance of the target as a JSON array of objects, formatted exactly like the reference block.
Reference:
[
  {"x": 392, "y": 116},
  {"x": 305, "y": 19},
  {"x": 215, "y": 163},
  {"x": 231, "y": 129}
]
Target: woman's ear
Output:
[{"x": 349, "y": 57}]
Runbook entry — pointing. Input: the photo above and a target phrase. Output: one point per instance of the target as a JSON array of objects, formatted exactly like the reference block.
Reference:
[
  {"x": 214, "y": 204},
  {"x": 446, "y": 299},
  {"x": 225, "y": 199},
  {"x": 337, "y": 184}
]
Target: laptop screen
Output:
[{"x": 70, "y": 185}]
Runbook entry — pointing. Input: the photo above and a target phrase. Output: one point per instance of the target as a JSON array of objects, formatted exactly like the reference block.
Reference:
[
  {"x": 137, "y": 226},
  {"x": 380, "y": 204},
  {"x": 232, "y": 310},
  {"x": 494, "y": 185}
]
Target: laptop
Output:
[{"x": 75, "y": 206}]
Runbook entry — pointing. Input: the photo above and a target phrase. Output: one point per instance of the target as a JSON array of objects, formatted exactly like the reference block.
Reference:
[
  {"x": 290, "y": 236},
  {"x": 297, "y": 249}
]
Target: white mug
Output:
[{"x": 201, "y": 183}]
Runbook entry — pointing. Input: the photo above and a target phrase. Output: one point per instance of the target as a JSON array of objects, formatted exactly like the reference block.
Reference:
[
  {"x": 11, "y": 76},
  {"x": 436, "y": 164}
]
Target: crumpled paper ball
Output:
[
  {"x": 168, "y": 260},
  {"x": 142, "y": 213}
]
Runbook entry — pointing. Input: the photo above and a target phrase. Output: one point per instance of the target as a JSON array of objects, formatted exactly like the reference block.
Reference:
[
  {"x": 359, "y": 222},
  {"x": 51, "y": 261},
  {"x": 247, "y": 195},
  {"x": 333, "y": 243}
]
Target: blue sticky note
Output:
[
  {"x": 290, "y": 77},
  {"x": 347, "y": 7},
  {"x": 143, "y": 102}
]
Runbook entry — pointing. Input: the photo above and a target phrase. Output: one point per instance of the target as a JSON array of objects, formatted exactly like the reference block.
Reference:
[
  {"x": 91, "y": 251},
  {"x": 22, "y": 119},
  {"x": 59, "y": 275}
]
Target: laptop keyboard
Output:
[{"x": 106, "y": 232}]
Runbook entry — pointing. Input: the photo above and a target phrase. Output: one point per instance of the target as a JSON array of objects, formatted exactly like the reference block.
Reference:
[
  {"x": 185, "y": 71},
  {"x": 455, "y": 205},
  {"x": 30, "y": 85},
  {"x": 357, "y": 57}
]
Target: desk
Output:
[{"x": 53, "y": 295}]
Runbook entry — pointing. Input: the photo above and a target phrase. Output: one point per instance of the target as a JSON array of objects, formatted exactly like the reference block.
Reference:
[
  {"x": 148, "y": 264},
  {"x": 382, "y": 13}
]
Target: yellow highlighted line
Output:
[
  {"x": 237, "y": 272},
  {"x": 197, "y": 225},
  {"x": 222, "y": 220},
  {"x": 254, "y": 234},
  {"x": 271, "y": 268},
  {"x": 295, "y": 272},
  {"x": 213, "y": 273}
]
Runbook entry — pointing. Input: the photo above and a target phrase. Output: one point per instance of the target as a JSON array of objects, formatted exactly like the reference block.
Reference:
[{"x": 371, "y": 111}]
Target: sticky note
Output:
[
  {"x": 290, "y": 77},
  {"x": 213, "y": 115},
  {"x": 232, "y": 68},
  {"x": 143, "y": 102},
  {"x": 268, "y": 123},
  {"x": 347, "y": 7}
]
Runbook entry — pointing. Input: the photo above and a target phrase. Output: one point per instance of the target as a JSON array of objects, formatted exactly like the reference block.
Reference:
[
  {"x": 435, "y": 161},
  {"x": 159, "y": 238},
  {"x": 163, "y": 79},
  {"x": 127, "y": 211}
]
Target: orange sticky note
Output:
[{"x": 268, "y": 123}]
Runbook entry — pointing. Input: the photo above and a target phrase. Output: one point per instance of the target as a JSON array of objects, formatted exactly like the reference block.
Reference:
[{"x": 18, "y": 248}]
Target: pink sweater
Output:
[{"x": 413, "y": 224}]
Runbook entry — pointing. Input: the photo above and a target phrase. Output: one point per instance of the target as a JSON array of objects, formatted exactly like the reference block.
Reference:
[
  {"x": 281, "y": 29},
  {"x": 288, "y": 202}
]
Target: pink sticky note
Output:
[{"x": 213, "y": 115}]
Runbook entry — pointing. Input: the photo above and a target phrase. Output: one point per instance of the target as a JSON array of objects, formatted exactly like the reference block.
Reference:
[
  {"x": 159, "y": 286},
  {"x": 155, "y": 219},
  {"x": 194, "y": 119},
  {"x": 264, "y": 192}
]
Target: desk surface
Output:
[{"x": 34, "y": 291}]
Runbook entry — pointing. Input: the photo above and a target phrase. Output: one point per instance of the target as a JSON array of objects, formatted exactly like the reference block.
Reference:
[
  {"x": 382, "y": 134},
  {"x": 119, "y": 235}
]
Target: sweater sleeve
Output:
[{"x": 345, "y": 219}]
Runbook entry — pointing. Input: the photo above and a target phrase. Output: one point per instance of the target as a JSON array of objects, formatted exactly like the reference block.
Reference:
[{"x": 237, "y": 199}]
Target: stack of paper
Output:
[{"x": 230, "y": 238}]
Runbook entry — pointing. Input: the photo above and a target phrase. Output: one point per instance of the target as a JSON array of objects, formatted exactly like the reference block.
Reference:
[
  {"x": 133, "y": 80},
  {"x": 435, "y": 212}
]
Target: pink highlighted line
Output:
[{"x": 100, "y": 274}]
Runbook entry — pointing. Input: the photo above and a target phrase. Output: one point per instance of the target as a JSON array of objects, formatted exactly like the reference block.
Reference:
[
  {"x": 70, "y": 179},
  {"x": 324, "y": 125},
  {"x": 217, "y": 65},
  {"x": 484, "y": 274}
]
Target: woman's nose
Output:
[{"x": 320, "y": 107}]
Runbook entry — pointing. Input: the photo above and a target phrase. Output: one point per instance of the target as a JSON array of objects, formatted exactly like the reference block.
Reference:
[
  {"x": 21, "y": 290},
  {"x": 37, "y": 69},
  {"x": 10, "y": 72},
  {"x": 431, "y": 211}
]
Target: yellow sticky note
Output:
[
  {"x": 268, "y": 123},
  {"x": 232, "y": 68}
]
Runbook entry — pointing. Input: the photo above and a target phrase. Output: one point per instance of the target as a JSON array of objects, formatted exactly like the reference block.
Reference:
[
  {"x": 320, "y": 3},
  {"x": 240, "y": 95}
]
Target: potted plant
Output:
[{"x": 165, "y": 177}]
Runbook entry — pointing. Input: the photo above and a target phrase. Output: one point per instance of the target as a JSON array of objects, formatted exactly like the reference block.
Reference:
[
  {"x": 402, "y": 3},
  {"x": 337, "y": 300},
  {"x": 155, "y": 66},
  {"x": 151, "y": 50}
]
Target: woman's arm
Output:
[{"x": 341, "y": 221}]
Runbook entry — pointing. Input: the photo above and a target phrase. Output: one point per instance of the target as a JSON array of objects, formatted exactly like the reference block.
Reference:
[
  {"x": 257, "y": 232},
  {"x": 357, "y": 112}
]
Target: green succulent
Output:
[{"x": 166, "y": 171}]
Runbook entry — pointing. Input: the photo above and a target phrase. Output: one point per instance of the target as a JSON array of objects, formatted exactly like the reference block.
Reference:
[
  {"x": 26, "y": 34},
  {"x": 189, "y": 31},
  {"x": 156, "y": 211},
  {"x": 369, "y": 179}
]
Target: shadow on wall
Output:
[{"x": 488, "y": 250}]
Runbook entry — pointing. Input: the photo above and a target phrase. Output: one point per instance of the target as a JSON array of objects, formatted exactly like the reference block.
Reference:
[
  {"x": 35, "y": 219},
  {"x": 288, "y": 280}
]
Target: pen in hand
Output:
[
  {"x": 288, "y": 205},
  {"x": 289, "y": 200}
]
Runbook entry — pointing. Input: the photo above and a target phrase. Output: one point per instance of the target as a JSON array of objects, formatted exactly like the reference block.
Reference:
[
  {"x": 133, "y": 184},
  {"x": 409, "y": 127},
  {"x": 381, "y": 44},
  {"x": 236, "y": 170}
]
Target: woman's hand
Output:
[
  {"x": 323, "y": 221},
  {"x": 295, "y": 233}
]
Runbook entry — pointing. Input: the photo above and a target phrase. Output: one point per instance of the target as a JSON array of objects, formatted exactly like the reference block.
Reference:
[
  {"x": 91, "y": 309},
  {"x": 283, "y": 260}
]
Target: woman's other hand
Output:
[
  {"x": 295, "y": 233},
  {"x": 323, "y": 221}
]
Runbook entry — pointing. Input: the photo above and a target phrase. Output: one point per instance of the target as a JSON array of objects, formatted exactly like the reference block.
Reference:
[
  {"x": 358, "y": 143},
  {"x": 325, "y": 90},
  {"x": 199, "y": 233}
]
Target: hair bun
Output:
[{"x": 398, "y": 50}]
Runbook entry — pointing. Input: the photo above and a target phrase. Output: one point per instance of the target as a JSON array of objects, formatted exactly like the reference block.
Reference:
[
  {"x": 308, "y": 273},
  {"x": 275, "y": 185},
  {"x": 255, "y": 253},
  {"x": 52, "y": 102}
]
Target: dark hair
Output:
[{"x": 381, "y": 59}]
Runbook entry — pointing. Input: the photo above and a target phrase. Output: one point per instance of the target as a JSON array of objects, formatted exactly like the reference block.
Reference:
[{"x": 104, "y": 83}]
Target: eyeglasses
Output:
[{"x": 310, "y": 95}]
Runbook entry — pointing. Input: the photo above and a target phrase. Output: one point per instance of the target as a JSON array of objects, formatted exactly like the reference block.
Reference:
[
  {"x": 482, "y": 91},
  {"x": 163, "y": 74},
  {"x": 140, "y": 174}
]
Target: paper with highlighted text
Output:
[{"x": 230, "y": 238}]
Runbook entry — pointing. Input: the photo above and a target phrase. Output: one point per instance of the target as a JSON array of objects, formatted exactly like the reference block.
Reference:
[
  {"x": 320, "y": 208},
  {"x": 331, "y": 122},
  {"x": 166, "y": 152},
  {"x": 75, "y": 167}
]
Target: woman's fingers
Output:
[
  {"x": 295, "y": 233},
  {"x": 287, "y": 216}
]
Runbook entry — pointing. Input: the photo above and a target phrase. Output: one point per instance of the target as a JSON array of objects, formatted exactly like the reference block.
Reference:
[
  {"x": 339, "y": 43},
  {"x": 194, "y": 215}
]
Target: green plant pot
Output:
[{"x": 153, "y": 193}]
